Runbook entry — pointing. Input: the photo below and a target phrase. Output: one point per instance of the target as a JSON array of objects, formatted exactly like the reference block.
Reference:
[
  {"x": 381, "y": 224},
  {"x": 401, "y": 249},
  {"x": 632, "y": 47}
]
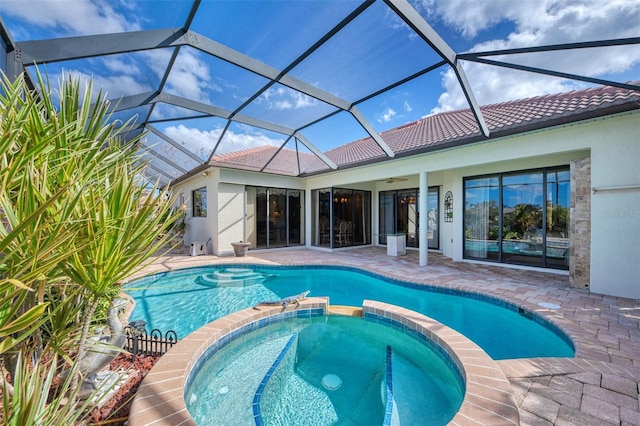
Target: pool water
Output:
[
  {"x": 426, "y": 389},
  {"x": 186, "y": 300}
]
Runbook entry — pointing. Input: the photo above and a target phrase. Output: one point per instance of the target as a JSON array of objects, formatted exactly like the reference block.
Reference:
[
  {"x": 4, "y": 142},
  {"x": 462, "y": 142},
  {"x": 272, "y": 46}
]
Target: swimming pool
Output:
[
  {"x": 183, "y": 301},
  {"x": 327, "y": 370}
]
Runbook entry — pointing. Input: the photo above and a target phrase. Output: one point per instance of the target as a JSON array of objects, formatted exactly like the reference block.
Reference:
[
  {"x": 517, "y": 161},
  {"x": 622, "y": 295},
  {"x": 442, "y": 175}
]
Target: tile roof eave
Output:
[
  {"x": 513, "y": 128},
  {"x": 501, "y": 133},
  {"x": 564, "y": 119}
]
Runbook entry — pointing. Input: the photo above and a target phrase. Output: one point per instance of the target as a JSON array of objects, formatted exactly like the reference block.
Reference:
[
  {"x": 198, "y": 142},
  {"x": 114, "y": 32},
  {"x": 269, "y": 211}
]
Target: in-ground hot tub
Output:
[
  {"x": 304, "y": 365},
  {"x": 325, "y": 370}
]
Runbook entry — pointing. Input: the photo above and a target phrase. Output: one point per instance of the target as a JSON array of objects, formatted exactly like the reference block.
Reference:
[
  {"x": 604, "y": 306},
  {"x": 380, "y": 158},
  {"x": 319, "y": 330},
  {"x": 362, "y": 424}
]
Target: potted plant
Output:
[{"x": 240, "y": 248}]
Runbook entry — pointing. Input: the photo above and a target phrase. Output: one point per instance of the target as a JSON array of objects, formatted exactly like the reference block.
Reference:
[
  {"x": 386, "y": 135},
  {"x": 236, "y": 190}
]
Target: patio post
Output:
[{"x": 423, "y": 242}]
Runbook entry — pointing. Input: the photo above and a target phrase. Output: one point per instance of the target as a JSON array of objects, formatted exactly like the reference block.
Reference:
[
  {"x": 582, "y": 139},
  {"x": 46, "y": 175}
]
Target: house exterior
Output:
[{"x": 556, "y": 186}]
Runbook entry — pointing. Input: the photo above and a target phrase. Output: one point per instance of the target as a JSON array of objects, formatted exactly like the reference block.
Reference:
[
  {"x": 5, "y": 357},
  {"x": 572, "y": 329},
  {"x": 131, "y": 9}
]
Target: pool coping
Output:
[{"x": 488, "y": 397}]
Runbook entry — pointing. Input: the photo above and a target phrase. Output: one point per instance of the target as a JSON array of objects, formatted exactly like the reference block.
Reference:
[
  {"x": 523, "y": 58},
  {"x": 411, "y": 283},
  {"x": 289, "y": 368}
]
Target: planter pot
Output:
[{"x": 240, "y": 248}]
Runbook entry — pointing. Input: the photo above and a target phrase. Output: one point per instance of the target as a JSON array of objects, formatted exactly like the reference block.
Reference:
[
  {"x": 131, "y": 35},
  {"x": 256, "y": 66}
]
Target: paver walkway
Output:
[{"x": 600, "y": 386}]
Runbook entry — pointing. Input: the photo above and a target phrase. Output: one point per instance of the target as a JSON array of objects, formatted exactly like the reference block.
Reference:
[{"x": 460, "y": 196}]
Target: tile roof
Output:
[
  {"x": 285, "y": 161},
  {"x": 447, "y": 129}
]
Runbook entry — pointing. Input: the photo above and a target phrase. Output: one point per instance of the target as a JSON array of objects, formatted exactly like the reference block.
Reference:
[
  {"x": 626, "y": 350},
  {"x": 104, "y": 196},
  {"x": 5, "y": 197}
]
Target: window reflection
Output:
[
  {"x": 557, "y": 241},
  {"x": 481, "y": 218},
  {"x": 199, "y": 197},
  {"x": 522, "y": 233}
]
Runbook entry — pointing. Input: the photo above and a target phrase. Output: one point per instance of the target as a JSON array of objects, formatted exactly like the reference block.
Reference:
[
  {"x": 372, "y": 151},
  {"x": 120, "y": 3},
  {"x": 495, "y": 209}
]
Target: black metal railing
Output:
[{"x": 154, "y": 343}]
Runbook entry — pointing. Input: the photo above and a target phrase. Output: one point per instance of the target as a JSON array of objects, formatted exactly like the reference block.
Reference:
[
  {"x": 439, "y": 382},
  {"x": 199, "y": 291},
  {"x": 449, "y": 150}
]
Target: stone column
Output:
[{"x": 580, "y": 224}]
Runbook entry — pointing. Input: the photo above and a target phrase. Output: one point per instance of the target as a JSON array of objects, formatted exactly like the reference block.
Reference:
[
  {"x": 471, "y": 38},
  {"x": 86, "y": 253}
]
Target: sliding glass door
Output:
[
  {"x": 481, "y": 218},
  {"x": 398, "y": 214},
  {"x": 278, "y": 219},
  {"x": 295, "y": 217},
  {"x": 519, "y": 217},
  {"x": 342, "y": 217}
]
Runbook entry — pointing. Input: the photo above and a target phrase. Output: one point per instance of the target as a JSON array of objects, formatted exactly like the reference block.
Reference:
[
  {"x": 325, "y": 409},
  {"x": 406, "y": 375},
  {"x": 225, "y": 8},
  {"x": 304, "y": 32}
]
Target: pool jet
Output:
[{"x": 287, "y": 300}]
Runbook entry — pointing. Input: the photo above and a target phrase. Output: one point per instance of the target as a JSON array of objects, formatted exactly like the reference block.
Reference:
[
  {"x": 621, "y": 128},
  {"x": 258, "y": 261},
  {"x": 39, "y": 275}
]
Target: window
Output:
[
  {"x": 199, "y": 197},
  {"x": 520, "y": 218}
]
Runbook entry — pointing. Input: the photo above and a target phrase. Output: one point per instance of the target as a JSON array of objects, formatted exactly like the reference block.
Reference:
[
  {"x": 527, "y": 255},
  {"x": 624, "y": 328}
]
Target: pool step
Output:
[
  {"x": 232, "y": 277},
  {"x": 349, "y": 311}
]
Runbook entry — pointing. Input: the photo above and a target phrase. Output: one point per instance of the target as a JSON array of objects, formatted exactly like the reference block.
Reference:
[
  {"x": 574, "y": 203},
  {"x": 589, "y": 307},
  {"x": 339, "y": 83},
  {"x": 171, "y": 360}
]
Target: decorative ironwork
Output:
[
  {"x": 155, "y": 343},
  {"x": 448, "y": 207}
]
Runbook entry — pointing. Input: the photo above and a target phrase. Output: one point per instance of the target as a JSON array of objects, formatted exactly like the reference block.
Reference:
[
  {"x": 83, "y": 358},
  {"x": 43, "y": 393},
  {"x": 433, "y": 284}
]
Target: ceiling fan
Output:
[{"x": 393, "y": 180}]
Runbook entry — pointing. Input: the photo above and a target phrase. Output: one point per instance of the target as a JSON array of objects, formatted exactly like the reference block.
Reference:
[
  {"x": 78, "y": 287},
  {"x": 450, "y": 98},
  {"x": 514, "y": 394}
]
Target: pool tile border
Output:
[
  {"x": 160, "y": 398},
  {"x": 443, "y": 353},
  {"x": 388, "y": 406}
]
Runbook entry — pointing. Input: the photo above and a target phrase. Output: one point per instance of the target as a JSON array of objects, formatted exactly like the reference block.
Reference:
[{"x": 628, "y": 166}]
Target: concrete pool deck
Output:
[{"x": 599, "y": 386}]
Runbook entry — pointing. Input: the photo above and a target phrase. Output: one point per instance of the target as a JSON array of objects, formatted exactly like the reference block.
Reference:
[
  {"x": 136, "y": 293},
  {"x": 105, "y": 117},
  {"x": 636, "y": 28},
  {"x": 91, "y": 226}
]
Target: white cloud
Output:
[
  {"x": 387, "y": 115},
  {"x": 190, "y": 77},
  {"x": 542, "y": 22},
  {"x": 198, "y": 140},
  {"x": 283, "y": 98},
  {"x": 157, "y": 60},
  {"x": 493, "y": 85},
  {"x": 407, "y": 107},
  {"x": 240, "y": 141},
  {"x": 112, "y": 86},
  {"x": 79, "y": 17},
  {"x": 119, "y": 65}
]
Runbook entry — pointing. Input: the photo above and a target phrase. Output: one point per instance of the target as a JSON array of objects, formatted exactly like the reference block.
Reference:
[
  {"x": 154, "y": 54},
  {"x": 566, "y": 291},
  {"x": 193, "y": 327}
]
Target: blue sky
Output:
[{"x": 372, "y": 52}]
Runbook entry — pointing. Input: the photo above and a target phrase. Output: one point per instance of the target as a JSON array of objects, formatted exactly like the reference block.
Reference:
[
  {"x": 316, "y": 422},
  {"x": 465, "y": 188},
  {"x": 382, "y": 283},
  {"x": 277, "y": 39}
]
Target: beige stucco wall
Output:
[
  {"x": 615, "y": 214},
  {"x": 231, "y": 217},
  {"x": 198, "y": 228}
]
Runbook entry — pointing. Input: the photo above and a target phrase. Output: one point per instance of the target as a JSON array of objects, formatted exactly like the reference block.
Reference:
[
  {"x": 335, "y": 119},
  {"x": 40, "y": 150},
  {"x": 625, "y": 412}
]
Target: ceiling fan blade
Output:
[{"x": 394, "y": 180}]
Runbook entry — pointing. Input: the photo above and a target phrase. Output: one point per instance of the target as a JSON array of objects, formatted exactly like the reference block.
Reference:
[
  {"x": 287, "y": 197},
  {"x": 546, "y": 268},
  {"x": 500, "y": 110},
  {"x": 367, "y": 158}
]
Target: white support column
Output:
[
  {"x": 308, "y": 217},
  {"x": 423, "y": 221}
]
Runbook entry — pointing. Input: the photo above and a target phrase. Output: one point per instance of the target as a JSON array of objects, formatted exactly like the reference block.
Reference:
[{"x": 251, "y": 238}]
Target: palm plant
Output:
[
  {"x": 34, "y": 235},
  {"x": 121, "y": 229},
  {"x": 29, "y": 403},
  {"x": 75, "y": 220}
]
